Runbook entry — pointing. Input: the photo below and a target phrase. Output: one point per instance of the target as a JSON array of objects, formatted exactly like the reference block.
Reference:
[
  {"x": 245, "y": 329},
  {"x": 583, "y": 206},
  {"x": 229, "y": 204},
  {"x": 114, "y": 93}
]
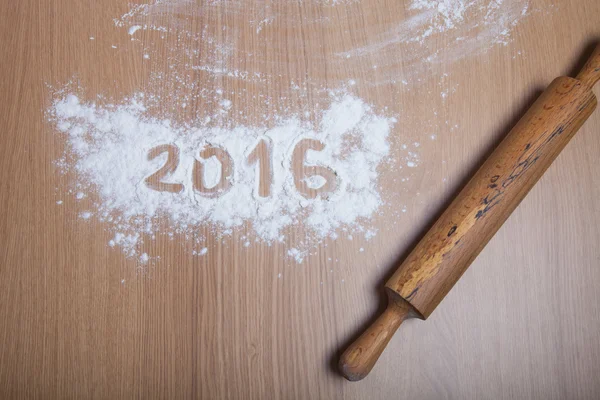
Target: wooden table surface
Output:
[{"x": 80, "y": 320}]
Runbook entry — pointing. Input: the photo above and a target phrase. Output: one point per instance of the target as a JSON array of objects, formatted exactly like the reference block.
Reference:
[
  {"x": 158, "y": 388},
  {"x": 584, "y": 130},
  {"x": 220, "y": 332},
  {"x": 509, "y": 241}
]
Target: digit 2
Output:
[{"x": 154, "y": 181}]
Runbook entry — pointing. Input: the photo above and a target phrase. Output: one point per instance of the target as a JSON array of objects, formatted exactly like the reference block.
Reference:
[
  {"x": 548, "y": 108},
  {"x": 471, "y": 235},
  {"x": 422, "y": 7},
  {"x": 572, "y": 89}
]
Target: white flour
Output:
[
  {"x": 108, "y": 151},
  {"x": 432, "y": 32},
  {"x": 465, "y": 27},
  {"x": 107, "y": 146},
  {"x": 444, "y": 14}
]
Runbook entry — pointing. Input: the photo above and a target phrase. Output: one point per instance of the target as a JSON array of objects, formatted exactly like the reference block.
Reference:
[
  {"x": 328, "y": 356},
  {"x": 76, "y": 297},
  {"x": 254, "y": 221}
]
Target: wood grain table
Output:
[{"x": 80, "y": 320}]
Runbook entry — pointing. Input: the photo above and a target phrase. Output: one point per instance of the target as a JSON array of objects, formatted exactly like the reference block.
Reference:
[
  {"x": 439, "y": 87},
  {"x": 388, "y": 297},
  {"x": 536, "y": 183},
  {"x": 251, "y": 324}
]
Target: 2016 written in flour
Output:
[
  {"x": 226, "y": 177},
  {"x": 315, "y": 180}
]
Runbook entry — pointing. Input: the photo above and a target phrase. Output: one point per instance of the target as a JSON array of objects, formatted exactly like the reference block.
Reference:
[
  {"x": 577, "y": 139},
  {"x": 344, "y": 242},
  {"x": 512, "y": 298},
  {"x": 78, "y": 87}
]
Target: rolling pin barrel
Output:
[{"x": 483, "y": 205}]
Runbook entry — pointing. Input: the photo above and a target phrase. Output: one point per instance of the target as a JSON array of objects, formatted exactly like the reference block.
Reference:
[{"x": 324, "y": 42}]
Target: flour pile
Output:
[{"x": 211, "y": 177}]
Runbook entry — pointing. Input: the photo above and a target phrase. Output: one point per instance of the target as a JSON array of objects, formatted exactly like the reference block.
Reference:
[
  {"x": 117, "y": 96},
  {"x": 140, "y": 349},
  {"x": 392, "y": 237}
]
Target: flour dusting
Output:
[
  {"x": 432, "y": 32},
  {"x": 466, "y": 27},
  {"x": 187, "y": 158},
  {"x": 113, "y": 150}
]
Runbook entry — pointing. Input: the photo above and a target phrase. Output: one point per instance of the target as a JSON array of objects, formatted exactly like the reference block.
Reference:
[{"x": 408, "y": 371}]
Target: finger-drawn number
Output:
[
  {"x": 261, "y": 155},
  {"x": 225, "y": 180},
  {"x": 154, "y": 181},
  {"x": 308, "y": 171}
]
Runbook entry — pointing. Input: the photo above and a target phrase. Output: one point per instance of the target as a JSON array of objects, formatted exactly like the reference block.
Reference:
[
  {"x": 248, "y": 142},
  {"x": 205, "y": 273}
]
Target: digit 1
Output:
[
  {"x": 225, "y": 181},
  {"x": 298, "y": 157},
  {"x": 262, "y": 155}
]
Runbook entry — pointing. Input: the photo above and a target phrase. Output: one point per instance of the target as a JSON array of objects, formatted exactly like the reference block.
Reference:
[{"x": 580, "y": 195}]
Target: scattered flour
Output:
[
  {"x": 201, "y": 252},
  {"x": 466, "y": 27},
  {"x": 108, "y": 146},
  {"x": 133, "y": 29},
  {"x": 297, "y": 255}
]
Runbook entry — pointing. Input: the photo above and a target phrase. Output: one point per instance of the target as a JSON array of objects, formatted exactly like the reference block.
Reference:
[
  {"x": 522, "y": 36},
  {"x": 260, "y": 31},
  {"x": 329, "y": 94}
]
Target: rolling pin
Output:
[{"x": 484, "y": 204}]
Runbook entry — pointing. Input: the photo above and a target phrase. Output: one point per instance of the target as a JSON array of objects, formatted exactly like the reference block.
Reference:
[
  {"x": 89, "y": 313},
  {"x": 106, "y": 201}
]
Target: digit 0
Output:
[{"x": 226, "y": 178}]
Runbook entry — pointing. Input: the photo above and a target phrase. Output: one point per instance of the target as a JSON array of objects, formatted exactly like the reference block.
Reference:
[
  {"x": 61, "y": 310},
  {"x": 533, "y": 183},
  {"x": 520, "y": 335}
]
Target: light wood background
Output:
[{"x": 79, "y": 320}]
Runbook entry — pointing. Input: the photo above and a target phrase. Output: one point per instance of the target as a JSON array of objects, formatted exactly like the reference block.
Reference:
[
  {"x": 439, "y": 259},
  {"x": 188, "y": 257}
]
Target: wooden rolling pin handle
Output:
[
  {"x": 358, "y": 359},
  {"x": 590, "y": 73}
]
